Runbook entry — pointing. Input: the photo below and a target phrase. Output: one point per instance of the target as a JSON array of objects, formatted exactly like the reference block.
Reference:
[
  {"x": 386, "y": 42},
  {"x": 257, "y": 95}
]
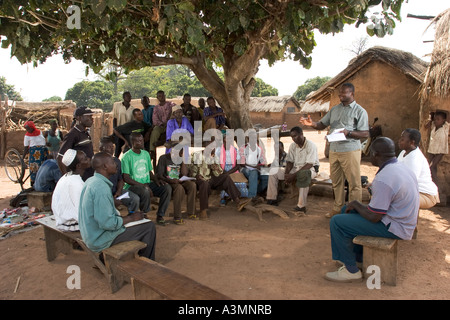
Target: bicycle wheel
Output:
[{"x": 14, "y": 165}]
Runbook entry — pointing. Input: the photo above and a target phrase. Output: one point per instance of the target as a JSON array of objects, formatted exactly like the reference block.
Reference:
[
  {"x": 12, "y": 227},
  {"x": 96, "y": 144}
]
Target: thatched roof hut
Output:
[
  {"x": 435, "y": 95},
  {"x": 437, "y": 78},
  {"x": 272, "y": 103},
  {"x": 405, "y": 62}
]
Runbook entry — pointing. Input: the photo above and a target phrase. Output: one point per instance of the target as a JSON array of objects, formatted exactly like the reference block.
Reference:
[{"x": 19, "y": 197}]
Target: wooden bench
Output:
[
  {"x": 42, "y": 201},
  {"x": 153, "y": 281},
  {"x": 58, "y": 241},
  {"x": 381, "y": 252}
]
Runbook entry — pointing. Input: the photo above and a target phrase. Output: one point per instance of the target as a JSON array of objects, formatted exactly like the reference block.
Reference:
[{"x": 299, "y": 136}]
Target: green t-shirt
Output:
[{"x": 138, "y": 166}]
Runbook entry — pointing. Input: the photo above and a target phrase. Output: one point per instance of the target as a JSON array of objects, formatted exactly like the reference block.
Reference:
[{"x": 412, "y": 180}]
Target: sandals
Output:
[
  {"x": 178, "y": 221},
  {"x": 193, "y": 217},
  {"x": 161, "y": 221}
]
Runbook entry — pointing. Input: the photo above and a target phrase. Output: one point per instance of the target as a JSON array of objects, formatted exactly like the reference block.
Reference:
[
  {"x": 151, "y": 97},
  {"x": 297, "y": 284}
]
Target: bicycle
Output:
[{"x": 15, "y": 167}]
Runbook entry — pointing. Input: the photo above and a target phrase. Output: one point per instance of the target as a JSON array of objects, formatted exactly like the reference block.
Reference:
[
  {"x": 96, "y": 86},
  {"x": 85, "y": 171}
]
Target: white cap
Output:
[{"x": 69, "y": 156}]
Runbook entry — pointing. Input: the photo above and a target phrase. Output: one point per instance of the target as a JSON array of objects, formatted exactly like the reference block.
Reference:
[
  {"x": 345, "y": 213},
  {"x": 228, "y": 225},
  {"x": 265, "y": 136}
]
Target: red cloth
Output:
[{"x": 35, "y": 131}]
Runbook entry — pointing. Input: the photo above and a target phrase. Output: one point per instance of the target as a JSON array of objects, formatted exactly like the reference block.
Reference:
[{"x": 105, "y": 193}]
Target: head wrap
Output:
[
  {"x": 175, "y": 108},
  {"x": 35, "y": 131},
  {"x": 69, "y": 156}
]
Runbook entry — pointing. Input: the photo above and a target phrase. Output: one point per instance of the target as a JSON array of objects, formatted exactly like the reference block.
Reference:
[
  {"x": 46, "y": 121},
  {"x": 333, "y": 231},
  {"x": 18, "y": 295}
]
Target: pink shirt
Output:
[{"x": 162, "y": 113}]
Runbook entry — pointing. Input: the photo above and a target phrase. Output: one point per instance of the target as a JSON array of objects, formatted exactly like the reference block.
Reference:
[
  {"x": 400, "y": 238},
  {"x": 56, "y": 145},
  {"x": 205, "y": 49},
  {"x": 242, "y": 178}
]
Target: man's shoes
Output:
[
  {"x": 160, "y": 221},
  {"x": 272, "y": 202},
  {"x": 257, "y": 200},
  {"x": 298, "y": 209},
  {"x": 343, "y": 275}
]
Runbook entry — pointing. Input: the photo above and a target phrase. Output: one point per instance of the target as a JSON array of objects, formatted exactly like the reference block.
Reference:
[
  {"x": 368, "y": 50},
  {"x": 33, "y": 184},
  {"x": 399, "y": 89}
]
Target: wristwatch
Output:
[{"x": 349, "y": 134}]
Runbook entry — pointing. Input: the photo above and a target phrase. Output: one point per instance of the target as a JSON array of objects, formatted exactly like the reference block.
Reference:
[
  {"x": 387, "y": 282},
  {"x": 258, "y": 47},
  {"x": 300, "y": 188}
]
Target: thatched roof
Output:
[
  {"x": 271, "y": 104},
  {"x": 437, "y": 78},
  {"x": 405, "y": 62},
  {"x": 310, "y": 106}
]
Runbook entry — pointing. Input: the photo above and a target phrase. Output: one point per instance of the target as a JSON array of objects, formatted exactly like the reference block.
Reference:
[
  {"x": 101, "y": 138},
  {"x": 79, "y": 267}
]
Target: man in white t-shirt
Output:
[
  {"x": 66, "y": 196},
  {"x": 414, "y": 159}
]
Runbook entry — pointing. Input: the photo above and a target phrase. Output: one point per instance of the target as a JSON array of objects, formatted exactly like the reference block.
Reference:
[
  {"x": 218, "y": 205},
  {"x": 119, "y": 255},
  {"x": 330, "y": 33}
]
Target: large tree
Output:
[{"x": 232, "y": 34}]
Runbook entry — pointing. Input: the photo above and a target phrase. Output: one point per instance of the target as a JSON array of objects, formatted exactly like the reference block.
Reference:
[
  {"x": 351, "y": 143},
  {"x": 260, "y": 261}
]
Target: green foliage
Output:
[
  {"x": 54, "y": 98},
  {"x": 93, "y": 94},
  {"x": 9, "y": 90},
  {"x": 263, "y": 89},
  {"x": 135, "y": 31},
  {"x": 310, "y": 85}
]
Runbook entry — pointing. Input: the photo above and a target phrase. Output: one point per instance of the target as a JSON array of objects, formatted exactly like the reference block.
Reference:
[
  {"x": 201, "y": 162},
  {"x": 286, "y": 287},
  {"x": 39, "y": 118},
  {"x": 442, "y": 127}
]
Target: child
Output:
[{"x": 438, "y": 145}]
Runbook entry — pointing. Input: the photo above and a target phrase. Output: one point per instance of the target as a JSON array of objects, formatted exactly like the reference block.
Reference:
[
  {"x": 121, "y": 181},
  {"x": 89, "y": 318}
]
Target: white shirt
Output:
[
  {"x": 417, "y": 163},
  {"x": 65, "y": 201},
  {"x": 30, "y": 141}
]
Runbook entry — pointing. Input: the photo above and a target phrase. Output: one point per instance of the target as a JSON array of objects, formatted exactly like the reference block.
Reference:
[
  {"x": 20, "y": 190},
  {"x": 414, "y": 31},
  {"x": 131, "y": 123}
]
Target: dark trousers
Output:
[
  {"x": 144, "y": 232},
  {"x": 222, "y": 182}
]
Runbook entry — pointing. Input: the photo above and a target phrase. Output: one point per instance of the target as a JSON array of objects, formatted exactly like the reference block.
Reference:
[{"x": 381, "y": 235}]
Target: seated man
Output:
[
  {"x": 101, "y": 225},
  {"x": 139, "y": 178},
  {"x": 213, "y": 116},
  {"x": 391, "y": 213},
  {"x": 171, "y": 173},
  {"x": 66, "y": 196},
  {"x": 254, "y": 159},
  {"x": 416, "y": 161},
  {"x": 132, "y": 202},
  {"x": 47, "y": 176},
  {"x": 300, "y": 162},
  {"x": 276, "y": 173},
  {"x": 124, "y": 131},
  {"x": 209, "y": 175}
]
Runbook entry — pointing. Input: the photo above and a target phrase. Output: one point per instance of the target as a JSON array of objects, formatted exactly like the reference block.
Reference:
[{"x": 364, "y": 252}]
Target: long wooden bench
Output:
[
  {"x": 58, "y": 241},
  {"x": 153, "y": 281},
  {"x": 381, "y": 252}
]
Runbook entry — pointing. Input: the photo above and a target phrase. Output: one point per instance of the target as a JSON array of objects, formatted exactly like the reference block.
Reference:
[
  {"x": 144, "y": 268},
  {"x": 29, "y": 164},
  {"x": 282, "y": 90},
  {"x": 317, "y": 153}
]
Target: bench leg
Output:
[
  {"x": 386, "y": 260},
  {"x": 56, "y": 243}
]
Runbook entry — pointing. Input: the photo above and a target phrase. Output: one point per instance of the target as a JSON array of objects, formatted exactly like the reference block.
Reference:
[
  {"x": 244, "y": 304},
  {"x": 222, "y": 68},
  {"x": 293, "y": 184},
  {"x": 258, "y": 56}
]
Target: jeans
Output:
[
  {"x": 346, "y": 226},
  {"x": 163, "y": 192},
  {"x": 256, "y": 182}
]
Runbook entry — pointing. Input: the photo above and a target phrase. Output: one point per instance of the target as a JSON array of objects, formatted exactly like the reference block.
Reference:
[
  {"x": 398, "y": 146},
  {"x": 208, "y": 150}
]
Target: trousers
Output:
[
  {"x": 345, "y": 165},
  {"x": 163, "y": 192},
  {"x": 144, "y": 232},
  {"x": 346, "y": 226},
  {"x": 222, "y": 182},
  {"x": 178, "y": 191}
]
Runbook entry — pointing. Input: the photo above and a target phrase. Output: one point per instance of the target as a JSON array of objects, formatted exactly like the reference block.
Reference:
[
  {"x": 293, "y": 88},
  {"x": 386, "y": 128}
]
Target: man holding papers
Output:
[
  {"x": 348, "y": 123},
  {"x": 101, "y": 226},
  {"x": 175, "y": 174}
]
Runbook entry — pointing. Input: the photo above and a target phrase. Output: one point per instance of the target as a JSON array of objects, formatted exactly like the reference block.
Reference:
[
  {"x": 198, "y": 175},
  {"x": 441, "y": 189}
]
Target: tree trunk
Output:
[{"x": 232, "y": 94}]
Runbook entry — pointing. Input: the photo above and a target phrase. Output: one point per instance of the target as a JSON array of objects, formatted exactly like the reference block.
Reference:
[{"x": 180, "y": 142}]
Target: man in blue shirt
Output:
[
  {"x": 47, "y": 176},
  {"x": 101, "y": 225}
]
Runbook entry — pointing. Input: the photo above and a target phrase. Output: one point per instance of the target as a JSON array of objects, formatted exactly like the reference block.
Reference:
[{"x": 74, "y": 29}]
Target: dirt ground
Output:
[{"x": 238, "y": 255}]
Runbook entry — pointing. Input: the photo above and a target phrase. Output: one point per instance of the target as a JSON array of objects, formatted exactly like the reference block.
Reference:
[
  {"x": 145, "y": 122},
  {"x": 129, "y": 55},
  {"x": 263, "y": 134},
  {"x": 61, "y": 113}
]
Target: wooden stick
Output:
[{"x": 17, "y": 284}]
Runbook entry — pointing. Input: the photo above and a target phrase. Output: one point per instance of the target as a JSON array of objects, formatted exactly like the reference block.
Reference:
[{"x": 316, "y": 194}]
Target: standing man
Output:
[
  {"x": 190, "y": 111},
  {"x": 345, "y": 156},
  {"x": 122, "y": 113},
  {"x": 78, "y": 138},
  {"x": 161, "y": 114},
  {"x": 147, "y": 111},
  {"x": 391, "y": 213}
]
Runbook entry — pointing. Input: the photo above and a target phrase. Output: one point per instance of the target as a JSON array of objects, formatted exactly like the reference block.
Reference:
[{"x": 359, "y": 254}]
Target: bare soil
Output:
[{"x": 235, "y": 253}]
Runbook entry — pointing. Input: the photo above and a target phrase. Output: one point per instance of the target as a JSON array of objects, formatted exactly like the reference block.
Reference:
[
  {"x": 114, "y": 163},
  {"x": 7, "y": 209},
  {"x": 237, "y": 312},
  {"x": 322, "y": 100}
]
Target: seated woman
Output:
[
  {"x": 178, "y": 124},
  {"x": 66, "y": 197},
  {"x": 213, "y": 116},
  {"x": 416, "y": 161}
]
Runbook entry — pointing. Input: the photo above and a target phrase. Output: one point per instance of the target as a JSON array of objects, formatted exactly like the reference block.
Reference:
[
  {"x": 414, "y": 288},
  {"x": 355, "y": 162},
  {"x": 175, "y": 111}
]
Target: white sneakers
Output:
[{"x": 343, "y": 275}]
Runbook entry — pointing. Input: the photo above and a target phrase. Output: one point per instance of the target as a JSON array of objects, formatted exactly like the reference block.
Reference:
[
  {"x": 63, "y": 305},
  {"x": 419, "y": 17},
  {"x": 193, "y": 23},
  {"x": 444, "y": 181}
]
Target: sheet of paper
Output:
[
  {"x": 185, "y": 178},
  {"x": 133, "y": 223},
  {"x": 336, "y": 137},
  {"x": 126, "y": 195}
]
